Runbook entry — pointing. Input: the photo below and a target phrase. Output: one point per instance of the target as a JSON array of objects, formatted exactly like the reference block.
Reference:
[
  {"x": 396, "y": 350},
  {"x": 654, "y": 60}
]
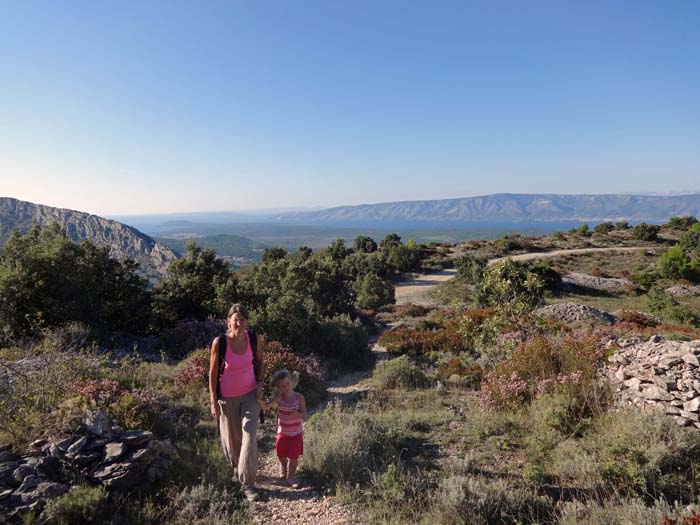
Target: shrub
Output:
[
  {"x": 549, "y": 276},
  {"x": 471, "y": 268},
  {"x": 398, "y": 373},
  {"x": 682, "y": 223},
  {"x": 417, "y": 343},
  {"x": 676, "y": 263},
  {"x": 622, "y": 225},
  {"x": 584, "y": 230},
  {"x": 343, "y": 445},
  {"x": 618, "y": 511},
  {"x": 645, "y": 232},
  {"x": 373, "y": 291},
  {"x": 78, "y": 505},
  {"x": 483, "y": 501},
  {"x": 667, "y": 307},
  {"x": 194, "y": 372},
  {"x": 344, "y": 340},
  {"x": 471, "y": 372},
  {"x": 604, "y": 227},
  {"x": 539, "y": 365},
  {"x": 636, "y": 317},
  {"x": 204, "y": 504}
]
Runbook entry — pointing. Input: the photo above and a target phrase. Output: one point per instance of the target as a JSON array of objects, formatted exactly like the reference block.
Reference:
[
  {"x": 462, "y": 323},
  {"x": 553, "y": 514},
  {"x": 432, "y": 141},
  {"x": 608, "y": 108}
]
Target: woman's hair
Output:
[
  {"x": 284, "y": 374},
  {"x": 237, "y": 308}
]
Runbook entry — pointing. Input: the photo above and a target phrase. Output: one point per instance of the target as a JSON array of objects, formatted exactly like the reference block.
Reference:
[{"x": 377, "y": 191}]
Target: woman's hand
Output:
[{"x": 215, "y": 410}]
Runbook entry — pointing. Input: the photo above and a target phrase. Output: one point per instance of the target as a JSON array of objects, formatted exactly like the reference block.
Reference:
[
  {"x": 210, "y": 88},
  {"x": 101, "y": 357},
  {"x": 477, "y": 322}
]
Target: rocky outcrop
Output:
[
  {"x": 683, "y": 290},
  {"x": 123, "y": 241},
  {"x": 102, "y": 454},
  {"x": 603, "y": 284},
  {"x": 658, "y": 373},
  {"x": 573, "y": 312}
]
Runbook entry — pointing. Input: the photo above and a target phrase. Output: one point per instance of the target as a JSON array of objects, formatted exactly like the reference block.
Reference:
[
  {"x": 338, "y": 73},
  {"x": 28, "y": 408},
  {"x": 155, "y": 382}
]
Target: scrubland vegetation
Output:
[{"x": 486, "y": 413}]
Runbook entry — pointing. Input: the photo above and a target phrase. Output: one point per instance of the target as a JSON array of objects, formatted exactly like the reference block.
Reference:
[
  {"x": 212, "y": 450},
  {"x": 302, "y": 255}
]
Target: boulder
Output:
[
  {"x": 98, "y": 422},
  {"x": 693, "y": 405},
  {"x": 22, "y": 472},
  {"x": 136, "y": 438},
  {"x": 114, "y": 451}
]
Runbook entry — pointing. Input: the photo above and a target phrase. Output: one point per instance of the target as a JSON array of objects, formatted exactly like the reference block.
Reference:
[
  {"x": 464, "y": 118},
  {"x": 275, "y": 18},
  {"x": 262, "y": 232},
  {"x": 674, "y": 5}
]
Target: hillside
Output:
[
  {"x": 505, "y": 207},
  {"x": 122, "y": 240}
]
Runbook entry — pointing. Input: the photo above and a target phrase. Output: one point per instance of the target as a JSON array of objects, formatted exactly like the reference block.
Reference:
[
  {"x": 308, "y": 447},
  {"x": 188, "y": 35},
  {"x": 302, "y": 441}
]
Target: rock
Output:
[
  {"x": 693, "y": 405},
  {"x": 119, "y": 475},
  {"x": 29, "y": 484},
  {"x": 97, "y": 444},
  {"x": 656, "y": 393},
  {"x": 671, "y": 410},
  {"x": 163, "y": 447},
  {"x": 4, "y": 447},
  {"x": 49, "y": 467},
  {"x": 6, "y": 474},
  {"x": 665, "y": 382},
  {"x": 683, "y": 290},
  {"x": 76, "y": 447},
  {"x": 571, "y": 312},
  {"x": 693, "y": 416},
  {"x": 656, "y": 338},
  {"x": 97, "y": 422},
  {"x": 51, "y": 490},
  {"x": 607, "y": 284},
  {"x": 84, "y": 460},
  {"x": 136, "y": 438},
  {"x": 7, "y": 456},
  {"x": 668, "y": 362},
  {"x": 5, "y": 496},
  {"x": 114, "y": 451},
  {"x": 38, "y": 443},
  {"x": 64, "y": 444},
  {"x": 22, "y": 472},
  {"x": 691, "y": 359}
]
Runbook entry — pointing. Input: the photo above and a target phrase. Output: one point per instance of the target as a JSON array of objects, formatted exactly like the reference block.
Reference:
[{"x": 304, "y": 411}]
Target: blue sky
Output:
[{"x": 151, "y": 107}]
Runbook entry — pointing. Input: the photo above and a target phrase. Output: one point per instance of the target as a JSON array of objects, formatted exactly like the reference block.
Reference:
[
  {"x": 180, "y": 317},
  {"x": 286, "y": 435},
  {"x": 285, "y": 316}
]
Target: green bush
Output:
[
  {"x": 676, "y": 263},
  {"x": 471, "y": 268},
  {"x": 47, "y": 280},
  {"x": 344, "y": 340},
  {"x": 78, "y": 505},
  {"x": 398, "y": 373},
  {"x": 373, "y": 291},
  {"x": 645, "y": 232},
  {"x": 344, "y": 445},
  {"x": 604, "y": 227},
  {"x": 682, "y": 223}
]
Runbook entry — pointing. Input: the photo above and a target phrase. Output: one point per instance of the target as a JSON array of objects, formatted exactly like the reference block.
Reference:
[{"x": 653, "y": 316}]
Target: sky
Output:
[{"x": 133, "y": 107}]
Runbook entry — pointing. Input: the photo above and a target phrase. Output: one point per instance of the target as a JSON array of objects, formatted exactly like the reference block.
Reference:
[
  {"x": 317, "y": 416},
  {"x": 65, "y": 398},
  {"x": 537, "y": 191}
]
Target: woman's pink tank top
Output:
[{"x": 238, "y": 377}]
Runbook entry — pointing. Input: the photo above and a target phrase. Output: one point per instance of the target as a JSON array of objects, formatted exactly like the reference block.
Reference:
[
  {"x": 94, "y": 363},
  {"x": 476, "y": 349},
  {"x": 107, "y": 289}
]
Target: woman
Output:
[{"x": 236, "y": 370}]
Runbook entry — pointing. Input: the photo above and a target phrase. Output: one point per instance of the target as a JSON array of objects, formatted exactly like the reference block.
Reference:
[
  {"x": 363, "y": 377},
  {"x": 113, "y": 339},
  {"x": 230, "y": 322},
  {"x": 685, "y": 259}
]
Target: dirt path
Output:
[
  {"x": 414, "y": 290},
  {"x": 280, "y": 504}
]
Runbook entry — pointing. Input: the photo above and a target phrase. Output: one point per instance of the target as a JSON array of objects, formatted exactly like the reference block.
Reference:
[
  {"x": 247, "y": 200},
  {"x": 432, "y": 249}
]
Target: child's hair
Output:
[{"x": 284, "y": 374}]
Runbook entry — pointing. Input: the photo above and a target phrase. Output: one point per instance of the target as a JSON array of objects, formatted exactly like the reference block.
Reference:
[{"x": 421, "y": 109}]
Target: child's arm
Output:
[
  {"x": 267, "y": 406},
  {"x": 302, "y": 413}
]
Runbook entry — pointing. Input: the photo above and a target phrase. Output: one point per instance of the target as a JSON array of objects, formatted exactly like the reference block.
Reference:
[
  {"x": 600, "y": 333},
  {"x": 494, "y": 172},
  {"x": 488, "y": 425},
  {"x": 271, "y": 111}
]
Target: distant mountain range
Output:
[
  {"x": 508, "y": 207},
  {"x": 122, "y": 240}
]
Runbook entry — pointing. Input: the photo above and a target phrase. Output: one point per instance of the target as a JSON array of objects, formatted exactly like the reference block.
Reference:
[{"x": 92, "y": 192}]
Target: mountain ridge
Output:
[
  {"x": 513, "y": 207},
  {"x": 122, "y": 240}
]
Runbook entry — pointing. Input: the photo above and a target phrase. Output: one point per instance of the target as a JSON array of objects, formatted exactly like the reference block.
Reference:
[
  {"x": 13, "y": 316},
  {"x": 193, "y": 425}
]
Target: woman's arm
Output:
[{"x": 214, "y": 377}]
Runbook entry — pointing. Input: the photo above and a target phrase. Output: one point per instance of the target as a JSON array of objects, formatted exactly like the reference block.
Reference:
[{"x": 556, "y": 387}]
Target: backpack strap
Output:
[
  {"x": 221, "y": 350},
  {"x": 253, "y": 338}
]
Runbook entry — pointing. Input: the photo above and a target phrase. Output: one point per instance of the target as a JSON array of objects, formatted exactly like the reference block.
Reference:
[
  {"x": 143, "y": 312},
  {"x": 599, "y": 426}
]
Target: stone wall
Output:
[{"x": 658, "y": 374}]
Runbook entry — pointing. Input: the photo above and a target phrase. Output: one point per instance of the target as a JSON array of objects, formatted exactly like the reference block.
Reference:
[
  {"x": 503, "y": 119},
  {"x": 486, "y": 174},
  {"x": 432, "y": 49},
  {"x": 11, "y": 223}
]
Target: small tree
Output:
[
  {"x": 646, "y": 232},
  {"x": 373, "y": 291},
  {"x": 364, "y": 244},
  {"x": 682, "y": 223},
  {"x": 604, "y": 227},
  {"x": 513, "y": 290},
  {"x": 189, "y": 289},
  {"x": 584, "y": 230},
  {"x": 622, "y": 225}
]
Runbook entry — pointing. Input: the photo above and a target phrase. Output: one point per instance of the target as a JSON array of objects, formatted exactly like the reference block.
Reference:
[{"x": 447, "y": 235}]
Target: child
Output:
[{"x": 291, "y": 411}]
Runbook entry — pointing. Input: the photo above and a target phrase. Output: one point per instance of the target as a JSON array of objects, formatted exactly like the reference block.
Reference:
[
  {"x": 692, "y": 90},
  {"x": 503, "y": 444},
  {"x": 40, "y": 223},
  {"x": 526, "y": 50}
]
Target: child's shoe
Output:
[{"x": 293, "y": 482}]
